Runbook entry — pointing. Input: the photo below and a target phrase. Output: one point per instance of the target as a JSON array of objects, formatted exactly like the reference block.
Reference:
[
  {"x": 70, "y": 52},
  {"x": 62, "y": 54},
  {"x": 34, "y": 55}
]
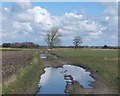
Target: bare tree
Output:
[
  {"x": 53, "y": 37},
  {"x": 77, "y": 41}
]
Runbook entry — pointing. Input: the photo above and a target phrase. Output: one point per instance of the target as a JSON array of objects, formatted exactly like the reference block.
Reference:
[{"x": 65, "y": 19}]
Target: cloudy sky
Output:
[{"x": 95, "y": 22}]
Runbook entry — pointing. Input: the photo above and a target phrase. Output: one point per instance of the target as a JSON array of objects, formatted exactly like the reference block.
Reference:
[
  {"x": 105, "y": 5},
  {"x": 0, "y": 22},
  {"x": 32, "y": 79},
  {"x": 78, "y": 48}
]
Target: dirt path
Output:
[{"x": 99, "y": 85}]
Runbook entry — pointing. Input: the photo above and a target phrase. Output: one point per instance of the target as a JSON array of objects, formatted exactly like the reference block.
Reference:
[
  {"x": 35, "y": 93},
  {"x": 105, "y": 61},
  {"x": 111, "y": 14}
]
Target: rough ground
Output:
[
  {"x": 12, "y": 62},
  {"x": 99, "y": 86}
]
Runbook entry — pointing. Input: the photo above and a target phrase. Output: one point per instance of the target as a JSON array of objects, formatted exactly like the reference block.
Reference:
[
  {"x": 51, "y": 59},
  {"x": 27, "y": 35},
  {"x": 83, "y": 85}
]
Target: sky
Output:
[{"x": 95, "y": 22}]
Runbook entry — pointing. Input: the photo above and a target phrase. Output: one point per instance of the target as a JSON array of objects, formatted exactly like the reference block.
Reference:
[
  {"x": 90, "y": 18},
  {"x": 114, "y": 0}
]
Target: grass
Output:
[
  {"x": 27, "y": 80},
  {"x": 104, "y": 61}
]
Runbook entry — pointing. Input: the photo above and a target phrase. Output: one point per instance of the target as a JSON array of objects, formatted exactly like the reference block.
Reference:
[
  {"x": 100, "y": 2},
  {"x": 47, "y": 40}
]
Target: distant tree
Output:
[
  {"x": 53, "y": 37},
  {"x": 6, "y": 45},
  {"x": 77, "y": 41},
  {"x": 105, "y": 46}
]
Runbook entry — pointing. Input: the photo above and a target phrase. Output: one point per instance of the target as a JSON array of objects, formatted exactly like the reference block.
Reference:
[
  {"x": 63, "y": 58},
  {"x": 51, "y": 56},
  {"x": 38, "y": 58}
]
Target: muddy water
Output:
[
  {"x": 46, "y": 54},
  {"x": 43, "y": 56},
  {"x": 55, "y": 80}
]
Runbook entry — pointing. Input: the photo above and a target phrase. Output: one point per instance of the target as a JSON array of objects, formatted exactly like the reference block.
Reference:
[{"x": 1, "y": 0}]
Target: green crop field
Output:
[{"x": 105, "y": 62}]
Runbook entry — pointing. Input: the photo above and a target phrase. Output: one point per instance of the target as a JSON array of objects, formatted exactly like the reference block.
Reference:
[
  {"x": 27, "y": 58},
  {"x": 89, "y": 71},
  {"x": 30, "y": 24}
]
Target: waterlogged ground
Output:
[
  {"x": 56, "y": 80},
  {"x": 61, "y": 77}
]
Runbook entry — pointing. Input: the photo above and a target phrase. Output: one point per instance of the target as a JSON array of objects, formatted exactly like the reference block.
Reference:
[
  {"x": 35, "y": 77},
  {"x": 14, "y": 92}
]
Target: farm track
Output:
[{"x": 99, "y": 86}]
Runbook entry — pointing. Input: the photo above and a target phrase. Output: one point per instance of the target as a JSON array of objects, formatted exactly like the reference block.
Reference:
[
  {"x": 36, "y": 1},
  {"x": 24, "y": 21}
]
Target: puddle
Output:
[
  {"x": 55, "y": 80},
  {"x": 43, "y": 56},
  {"x": 46, "y": 54}
]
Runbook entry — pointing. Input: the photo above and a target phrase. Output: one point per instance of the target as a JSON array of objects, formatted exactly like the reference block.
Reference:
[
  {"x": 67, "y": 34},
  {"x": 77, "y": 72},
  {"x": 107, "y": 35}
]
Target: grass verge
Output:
[{"x": 27, "y": 80}]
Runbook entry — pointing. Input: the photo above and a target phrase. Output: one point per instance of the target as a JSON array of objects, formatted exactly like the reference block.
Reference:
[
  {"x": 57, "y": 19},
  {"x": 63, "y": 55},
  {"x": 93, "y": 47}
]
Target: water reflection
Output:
[
  {"x": 55, "y": 80},
  {"x": 43, "y": 56},
  {"x": 46, "y": 54}
]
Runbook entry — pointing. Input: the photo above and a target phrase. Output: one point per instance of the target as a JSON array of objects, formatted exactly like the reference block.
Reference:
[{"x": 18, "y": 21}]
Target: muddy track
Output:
[{"x": 99, "y": 87}]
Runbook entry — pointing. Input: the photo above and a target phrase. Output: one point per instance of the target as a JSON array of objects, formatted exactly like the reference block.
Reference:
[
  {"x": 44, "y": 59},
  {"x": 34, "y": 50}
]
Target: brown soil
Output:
[
  {"x": 99, "y": 86},
  {"x": 12, "y": 62}
]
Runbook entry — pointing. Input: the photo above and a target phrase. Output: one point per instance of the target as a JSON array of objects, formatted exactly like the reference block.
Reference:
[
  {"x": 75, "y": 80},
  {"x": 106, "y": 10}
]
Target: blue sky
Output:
[
  {"x": 70, "y": 17},
  {"x": 61, "y": 8},
  {"x": 58, "y": 8}
]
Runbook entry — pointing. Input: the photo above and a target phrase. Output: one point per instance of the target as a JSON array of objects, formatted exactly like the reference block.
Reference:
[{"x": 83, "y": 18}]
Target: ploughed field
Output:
[
  {"x": 102, "y": 63},
  {"x": 13, "y": 61}
]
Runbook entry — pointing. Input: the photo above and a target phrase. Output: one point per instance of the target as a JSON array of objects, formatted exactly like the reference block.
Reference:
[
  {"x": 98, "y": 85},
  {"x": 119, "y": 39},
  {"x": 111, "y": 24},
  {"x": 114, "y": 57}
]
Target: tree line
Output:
[{"x": 20, "y": 45}]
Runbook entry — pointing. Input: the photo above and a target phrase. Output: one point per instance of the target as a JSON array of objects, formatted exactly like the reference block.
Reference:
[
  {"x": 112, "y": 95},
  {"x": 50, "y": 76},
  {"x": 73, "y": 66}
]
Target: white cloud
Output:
[
  {"x": 22, "y": 26},
  {"x": 41, "y": 15},
  {"x": 114, "y": 37},
  {"x": 111, "y": 14},
  {"x": 110, "y": 20},
  {"x": 95, "y": 34},
  {"x": 74, "y": 15},
  {"x": 24, "y": 17},
  {"x": 6, "y": 9}
]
